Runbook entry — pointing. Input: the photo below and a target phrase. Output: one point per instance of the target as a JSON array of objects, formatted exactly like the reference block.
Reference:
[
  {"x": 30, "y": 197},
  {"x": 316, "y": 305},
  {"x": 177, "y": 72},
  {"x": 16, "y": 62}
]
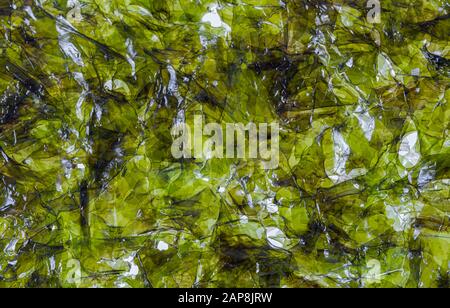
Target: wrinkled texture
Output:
[{"x": 91, "y": 196}]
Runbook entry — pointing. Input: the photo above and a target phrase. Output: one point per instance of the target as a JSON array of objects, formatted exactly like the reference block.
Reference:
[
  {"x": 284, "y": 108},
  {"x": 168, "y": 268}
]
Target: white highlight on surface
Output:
[
  {"x": 68, "y": 48},
  {"x": 213, "y": 18},
  {"x": 72, "y": 3},
  {"x": 416, "y": 72},
  {"x": 117, "y": 84},
  {"x": 350, "y": 63},
  {"x": 162, "y": 246},
  {"x": 426, "y": 175},
  {"x": 447, "y": 143},
  {"x": 9, "y": 200},
  {"x": 52, "y": 263},
  {"x": 11, "y": 247},
  {"x": 403, "y": 215},
  {"x": 29, "y": 12},
  {"x": 131, "y": 56},
  {"x": 366, "y": 121},
  {"x": 409, "y": 153},
  {"x": 385, "y": 66},
  {"x": 244, "y": 220},
  {"x": 276, "y": 237},
  {"x": 270, "y": 206},
  {"x": 173, "y": 84},
  {"x": 134, "y": 269},
  {"x": 341, "y": 155},
  {"x": 79, "y": 78}
]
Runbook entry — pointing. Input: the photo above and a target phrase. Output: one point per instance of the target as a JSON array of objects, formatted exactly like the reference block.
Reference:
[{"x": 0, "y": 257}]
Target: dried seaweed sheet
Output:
[{"x": 90, "y": 195}]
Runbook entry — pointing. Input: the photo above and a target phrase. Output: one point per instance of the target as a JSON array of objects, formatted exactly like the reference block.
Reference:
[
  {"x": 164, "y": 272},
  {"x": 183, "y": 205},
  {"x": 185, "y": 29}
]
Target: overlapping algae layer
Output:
[{"x": 91, "y": 196}]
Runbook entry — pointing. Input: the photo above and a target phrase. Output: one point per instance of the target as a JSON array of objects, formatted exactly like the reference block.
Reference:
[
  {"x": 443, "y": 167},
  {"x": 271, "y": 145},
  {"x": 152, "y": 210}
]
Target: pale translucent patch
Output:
[
  {"x": 134, "y": 269},
  {"x": 98, "y": 112},
  {"x": 11, "y": 247},
  {"x": 9, "y": 201},
  {"x": 69, "y": 49},
  {"x": 426, "y": 175},
  {"x": 132, "y": 65},
  {"x": 385, "y": 66},
  {"x": 341, "y": 155},
  {"x": 199, "y": 274},
  {"x": 79, "y": 106},
  {"x": 131, "y": 56},
  {"x": 109, "y": 85},
  {"x": 260, "y": 232},
  {"x": 374, "y": 273},
  {"x": 12, "y": 263},
  {"x": 276, "y": 237},
  {"x": 403, "y": 215},
  {"x": 417, "y": 233},
  {"x": 244, "y": 220},
  {"x": 350, "y": 63},
  {"x": 213, "y": 18},
  {"x": 322, "y": 19},
  {"x": 52, "y": 263},
  {"x": 139, "y": 10},
  {"x": 117, "y": 84},
  {"x": 270, "y": 206},
  {"x": 29, "y": 12},
  {"x": 72, "y": 3},
  {"x": 74, "y": 15},
  {"x": 59, "y": 185},
  {"x": 5, "y": 157},
  {"x": 366, "y": 121},
  {"x": 67, "y": 168},
  {"x": 79, "y": 78},
  {"x": 130, "y": 48},
  {"x": 318, "y": 42},
  {"x": 198, "y": 174},
  {"x": 173, "y": 83},
  {"x": 416, "y": 72},
  {"x": 447, "y": 139},
  {"x": 401, "y": 218},
  {"x": 162, "y": 246},
  {"x": 346, "y": 20},
  {"x": 204, "y": 41},
  {"x": 409, "y": 152}
]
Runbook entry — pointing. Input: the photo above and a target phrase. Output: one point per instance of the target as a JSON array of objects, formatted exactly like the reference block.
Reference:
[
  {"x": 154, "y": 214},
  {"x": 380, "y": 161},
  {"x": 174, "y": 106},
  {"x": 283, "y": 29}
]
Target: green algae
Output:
[{"x": 91, "y": 196}]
